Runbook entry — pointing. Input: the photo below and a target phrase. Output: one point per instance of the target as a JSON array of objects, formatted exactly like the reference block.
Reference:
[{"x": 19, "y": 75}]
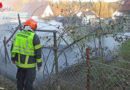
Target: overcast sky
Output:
[
  {"x": 89, "y": 0},
  {"x": 72, "y": 0}
]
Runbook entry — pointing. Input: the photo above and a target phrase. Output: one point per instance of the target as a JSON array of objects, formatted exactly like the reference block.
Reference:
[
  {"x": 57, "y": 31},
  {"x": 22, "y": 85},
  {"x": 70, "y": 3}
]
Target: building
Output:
[
  {"x": 125, "y": 10},
  {"x": 87, "y": 16},
  {"x": 124, "y": 14},
  {"x": 39, "y": 9}
]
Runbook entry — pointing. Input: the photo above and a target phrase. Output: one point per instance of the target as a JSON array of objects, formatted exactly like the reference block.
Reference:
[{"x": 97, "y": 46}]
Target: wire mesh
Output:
[{"x": 105, "y": 73}]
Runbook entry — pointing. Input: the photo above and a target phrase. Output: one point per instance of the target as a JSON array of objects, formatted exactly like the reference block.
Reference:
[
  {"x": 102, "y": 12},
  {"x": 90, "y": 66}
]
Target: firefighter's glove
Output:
[
  {"x": 39, "y": 68},
  {"x": 13, "y": 62}
]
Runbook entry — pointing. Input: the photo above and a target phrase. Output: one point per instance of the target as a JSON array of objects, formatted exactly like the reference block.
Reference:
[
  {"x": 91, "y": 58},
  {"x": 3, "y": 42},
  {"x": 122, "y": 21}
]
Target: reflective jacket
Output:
[{"x": 26, "y": 50}]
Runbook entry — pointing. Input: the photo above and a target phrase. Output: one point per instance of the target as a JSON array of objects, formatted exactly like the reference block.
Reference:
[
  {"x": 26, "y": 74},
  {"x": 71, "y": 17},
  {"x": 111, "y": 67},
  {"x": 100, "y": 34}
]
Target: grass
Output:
[
  {"x": 125, "y": 50},
  {"x": 106, "y": 77},
  {"x": 102, "y": 77}
]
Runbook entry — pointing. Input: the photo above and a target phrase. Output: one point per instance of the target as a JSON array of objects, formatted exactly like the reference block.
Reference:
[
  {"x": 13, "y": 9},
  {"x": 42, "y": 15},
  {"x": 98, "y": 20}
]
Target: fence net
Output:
[{"x": 105, "y": 73}]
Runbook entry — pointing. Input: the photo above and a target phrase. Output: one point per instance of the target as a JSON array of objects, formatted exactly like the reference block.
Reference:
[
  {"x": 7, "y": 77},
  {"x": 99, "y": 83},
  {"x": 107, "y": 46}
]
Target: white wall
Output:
[
  {"x": 48, "y": 12},
  {"x": 87, "y": 18},
  {"x": 116, "y": 13}
]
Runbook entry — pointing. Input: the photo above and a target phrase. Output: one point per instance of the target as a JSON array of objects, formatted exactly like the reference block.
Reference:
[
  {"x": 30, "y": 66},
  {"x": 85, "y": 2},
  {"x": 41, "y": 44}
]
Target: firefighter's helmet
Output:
[{"x": 32, "y": 23}]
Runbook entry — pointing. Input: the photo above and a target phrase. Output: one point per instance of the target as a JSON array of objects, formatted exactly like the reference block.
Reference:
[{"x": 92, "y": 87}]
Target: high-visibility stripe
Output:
[
  {"x": 26, "y": 60},
  {"x": 38, "y": 46},
  {"x": 22, "y": 48},
  {"x": 39, "y": 60},
  {"x": 26, "y": 65},
  {"x": 27, "y": 44},
  {"x": 15, "y": 50},
  {"x": 19, "y": 58},
  {"x": 23, "y": 43},
  {"x": 13, "y": 55}
]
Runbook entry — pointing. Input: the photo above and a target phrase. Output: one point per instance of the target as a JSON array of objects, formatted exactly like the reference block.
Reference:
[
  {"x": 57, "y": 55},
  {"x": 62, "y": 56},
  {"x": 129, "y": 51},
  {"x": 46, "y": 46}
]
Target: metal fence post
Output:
[
  {"x": 88, "y": 68},
  {"x": 56, "y": 61},
  {"x": 5, "y": 49}
]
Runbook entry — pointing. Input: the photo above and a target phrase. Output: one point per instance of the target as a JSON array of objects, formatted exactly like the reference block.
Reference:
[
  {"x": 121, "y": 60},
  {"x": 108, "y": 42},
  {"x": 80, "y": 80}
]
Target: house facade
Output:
[
  {"x": 87, "y": 16},
  {"x": 47, "y": 12},
  {"x": 39, "y": 9},
  {"x": 124, "y": 14},
  {"x": 125, "y": 10}
]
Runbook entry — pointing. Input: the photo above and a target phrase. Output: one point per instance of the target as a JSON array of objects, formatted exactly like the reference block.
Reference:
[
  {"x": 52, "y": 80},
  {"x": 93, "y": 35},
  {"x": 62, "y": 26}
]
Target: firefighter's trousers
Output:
[{"x": 25, "y": 78}]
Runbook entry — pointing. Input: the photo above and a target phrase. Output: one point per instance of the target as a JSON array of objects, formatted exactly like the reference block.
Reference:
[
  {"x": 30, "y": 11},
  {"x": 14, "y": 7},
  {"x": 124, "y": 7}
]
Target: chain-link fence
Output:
[
  {"x": 103, "y": 75},
  {"x": 109, "y": 76},
  {"x": 72, "y": 72},
  {"x": 65, "y": 66}
]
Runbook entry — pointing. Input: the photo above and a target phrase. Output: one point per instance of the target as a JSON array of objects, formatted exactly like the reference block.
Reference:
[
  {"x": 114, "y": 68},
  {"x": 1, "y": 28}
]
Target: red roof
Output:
[
  {"x": 35, "y": 8},
  {"x": 125, "y": 6}
]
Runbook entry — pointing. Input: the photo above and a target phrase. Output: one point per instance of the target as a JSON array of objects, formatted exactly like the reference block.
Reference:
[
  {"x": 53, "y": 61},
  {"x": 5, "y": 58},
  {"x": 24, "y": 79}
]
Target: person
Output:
[{"x": 26, "y": 54}]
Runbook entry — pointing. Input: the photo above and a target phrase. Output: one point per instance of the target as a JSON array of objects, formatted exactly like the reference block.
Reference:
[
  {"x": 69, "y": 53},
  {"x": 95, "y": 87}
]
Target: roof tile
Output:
[{"x": 35, "y": 8}]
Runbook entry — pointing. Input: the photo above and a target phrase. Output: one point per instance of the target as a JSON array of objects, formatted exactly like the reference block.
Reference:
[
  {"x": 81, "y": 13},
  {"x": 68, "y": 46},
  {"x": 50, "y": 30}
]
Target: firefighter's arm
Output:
[{"x": 37, "y": 46}]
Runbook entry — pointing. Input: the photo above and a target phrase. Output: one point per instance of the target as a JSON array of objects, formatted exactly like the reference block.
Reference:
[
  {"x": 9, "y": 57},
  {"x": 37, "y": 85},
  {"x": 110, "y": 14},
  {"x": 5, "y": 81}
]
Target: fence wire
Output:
[
  {"x": 109, "y": 76},
  {"x": 105, "y": 73},
  {"x": 112, "y": 75}
]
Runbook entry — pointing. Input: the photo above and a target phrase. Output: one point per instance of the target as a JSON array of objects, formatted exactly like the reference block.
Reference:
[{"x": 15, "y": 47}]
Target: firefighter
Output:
[{"x": 26, "y": 54}]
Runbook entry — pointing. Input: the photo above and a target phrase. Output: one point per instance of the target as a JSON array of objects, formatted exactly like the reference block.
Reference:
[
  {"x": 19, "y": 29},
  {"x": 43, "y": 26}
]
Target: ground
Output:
[{"x": 6, "y": 83}]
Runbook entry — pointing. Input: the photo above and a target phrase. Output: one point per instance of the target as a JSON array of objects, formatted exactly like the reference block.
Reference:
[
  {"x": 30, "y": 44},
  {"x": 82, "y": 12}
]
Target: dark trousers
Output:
[{"x": 25, "y": 78}]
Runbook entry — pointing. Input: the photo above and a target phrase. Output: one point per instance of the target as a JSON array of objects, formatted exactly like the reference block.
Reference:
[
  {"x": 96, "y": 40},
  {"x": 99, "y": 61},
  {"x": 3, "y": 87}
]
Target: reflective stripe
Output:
[
  {"x": 27, "y": 44},
  {"x": 32, "y": 53},
  {"x": 23, "y": 43},
  {"x": 39, "y": 60},
  {"x": 38, "y": 46},
  {"x": 26, "y": 60},
  {"x": 26, "y": 65},
  {"x": 19, "y": 58},
  {"x": 22, "y": 47},
  {"x": 13, "y": 55}
]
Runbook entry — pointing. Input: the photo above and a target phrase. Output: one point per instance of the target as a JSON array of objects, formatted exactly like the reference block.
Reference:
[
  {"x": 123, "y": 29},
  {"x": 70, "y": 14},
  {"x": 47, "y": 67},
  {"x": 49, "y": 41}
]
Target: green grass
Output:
[{"x": 125, "y": 50}]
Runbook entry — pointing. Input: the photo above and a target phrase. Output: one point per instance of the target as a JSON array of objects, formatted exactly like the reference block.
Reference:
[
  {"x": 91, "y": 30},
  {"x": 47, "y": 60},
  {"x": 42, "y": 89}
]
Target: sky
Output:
[
  {"x": 76, "y": 0},
  {"x": 89, "y": 0}
]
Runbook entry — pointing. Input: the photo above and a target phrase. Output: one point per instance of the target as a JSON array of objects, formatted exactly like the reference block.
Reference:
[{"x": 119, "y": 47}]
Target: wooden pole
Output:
[
  {"x": 88, "y": 68},
  {"x": 5, "y": 49},
  {"x": 56, "y": 61}
]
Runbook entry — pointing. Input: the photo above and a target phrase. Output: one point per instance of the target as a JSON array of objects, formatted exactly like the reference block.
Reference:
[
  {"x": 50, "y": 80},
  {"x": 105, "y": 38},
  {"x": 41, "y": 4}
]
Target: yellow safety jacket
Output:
[{"x": 23, "y": 45}]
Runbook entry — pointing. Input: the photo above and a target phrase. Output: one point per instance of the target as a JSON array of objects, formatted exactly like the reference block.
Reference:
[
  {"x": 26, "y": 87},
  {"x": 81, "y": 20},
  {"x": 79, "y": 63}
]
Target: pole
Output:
[
  {"x": 5, "y": 49},
  {"x": 56, "y": 61},
  {"x": 88, "y": 68},
  {"x": 20, "y": 25},
  {"x": 17, "y": 28}
]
